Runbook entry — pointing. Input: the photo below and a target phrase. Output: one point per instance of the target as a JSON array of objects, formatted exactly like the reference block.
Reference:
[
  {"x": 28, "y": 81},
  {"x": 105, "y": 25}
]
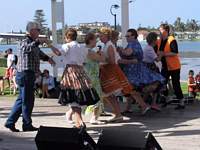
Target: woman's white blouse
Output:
[{"x": 74, "y": 53}]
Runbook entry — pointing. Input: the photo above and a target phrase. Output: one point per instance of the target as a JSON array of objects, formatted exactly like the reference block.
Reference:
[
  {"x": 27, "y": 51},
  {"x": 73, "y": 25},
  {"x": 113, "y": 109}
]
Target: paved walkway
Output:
[{"x": 174, "y": 130}]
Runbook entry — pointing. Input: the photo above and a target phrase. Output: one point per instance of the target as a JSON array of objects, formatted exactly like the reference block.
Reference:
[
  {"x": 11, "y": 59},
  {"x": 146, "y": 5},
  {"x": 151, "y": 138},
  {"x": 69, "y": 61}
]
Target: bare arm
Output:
[
  {"x": 96, "y": 56},
  {"x": 55, "y": 50},
  {"x": 158, "y": 58},
  {"x": 191, "y": 84},
  {"x": 164, "y": 54},
  {"x": 45, "y": 57},
  {"x": 111, "y": 55},
  {"x": 127, "y": 51}
]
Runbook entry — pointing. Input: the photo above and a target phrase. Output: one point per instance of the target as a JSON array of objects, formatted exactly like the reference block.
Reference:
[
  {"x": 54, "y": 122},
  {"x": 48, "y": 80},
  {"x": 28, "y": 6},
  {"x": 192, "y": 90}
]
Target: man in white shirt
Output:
[
  {"x": 11, "y": 66},
  {"x": 10, "y": 59}
]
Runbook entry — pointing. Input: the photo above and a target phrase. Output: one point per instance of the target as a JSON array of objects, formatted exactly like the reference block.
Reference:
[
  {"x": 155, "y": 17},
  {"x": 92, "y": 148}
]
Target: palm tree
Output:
[
  {"x": 192, "y": 25},
  {"x": 179, "y": 25},
  {"x": 39, "y": 17}
]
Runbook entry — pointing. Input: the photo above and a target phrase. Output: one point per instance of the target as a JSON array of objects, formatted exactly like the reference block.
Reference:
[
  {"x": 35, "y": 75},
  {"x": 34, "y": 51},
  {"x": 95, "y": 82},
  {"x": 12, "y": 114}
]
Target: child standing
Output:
[
  {"x": 191, "y": 84},
  {"x": 197, "y": 80}
]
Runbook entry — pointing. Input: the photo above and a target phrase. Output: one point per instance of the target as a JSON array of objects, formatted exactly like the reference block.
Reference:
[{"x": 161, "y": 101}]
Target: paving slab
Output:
[{"x": 174, "y": 130}]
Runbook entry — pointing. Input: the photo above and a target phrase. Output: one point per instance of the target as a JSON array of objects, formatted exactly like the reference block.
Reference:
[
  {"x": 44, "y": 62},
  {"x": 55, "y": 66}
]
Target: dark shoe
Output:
[
  {"x": 164, "y": 104},
  {"x": 31, "y": 128},
  {"x": 126, "y": 112},
  {"x": 83, "y": 127},
  {"x": 178, "y": 107},
  {"x": 105, "y": 114},
  {"x": 12, "y": 128}
]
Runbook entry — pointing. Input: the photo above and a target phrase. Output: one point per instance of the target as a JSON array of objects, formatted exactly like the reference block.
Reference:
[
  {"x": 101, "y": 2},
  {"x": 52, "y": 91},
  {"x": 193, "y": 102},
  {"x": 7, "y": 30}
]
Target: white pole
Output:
[
  {"x": 125, "y": 19},
  {"x": 63, "y": 21},
  {"x": 54, "y": 25}
]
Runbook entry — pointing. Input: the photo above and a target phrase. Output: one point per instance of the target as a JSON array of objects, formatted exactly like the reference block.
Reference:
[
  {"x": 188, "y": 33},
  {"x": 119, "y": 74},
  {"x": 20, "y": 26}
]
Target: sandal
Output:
[
  {"x": 155, "y": 107},
  {"x": 115, "y": 119},
  {"x": 146, "y": 110}
]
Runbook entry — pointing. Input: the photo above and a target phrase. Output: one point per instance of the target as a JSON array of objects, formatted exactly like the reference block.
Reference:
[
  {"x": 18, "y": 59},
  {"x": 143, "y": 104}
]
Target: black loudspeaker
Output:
[
  {"x": 126, "y": 140},
  {"x": 54, "y": 138}
]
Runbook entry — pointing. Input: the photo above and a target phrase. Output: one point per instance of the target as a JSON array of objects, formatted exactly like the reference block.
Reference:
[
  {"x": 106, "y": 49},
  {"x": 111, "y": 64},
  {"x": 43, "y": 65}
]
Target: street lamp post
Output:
[{"x": 114, "y": 14}]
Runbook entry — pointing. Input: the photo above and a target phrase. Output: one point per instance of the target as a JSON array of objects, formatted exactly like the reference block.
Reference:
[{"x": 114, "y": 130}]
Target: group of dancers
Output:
[{"x": 93, "y": 76}]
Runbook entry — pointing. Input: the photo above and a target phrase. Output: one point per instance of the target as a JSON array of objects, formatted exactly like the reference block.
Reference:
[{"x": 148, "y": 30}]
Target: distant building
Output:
[
  {"x": 187, "y": 35},
  {"x": 94, "y": 25},
  {"x": 84, "y": 28},
  {"x": 73, "y": 26}
]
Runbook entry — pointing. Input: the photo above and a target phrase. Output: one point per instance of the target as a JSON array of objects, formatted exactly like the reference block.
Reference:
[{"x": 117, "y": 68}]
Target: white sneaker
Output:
[
  {"x": 96, "y": 122},
  {"x": 116, "y": 119}
]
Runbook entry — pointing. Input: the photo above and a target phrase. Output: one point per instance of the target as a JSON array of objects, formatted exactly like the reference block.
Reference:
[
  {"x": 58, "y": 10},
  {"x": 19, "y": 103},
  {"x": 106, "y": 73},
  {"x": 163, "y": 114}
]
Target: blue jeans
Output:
[{"x": 25, "y": 101}]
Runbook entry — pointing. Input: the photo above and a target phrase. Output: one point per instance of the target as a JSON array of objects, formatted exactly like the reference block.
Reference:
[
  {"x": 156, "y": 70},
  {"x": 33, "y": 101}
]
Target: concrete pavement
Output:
[{"x": 174, "y": 130}]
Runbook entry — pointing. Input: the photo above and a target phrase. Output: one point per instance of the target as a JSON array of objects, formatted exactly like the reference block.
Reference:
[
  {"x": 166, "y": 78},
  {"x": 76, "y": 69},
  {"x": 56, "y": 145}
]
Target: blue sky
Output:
[{"x": 16, "y": 13}]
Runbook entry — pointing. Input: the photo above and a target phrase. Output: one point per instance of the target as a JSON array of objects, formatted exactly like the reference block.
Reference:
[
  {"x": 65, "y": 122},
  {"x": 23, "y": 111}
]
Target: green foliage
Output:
[
  {"x": 39, "y": 17},
  {"x": 184, "y": 87},
  {"x": 179, "y": 25},
  {"x": 2, "y": 71},
  {"x": 191, "y": 25},
  {"x": 3, "y": 62}
]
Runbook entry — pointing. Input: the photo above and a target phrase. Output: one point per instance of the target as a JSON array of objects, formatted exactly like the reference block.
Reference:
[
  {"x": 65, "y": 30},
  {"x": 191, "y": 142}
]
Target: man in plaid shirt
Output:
[{"x": 28, "y": 64}]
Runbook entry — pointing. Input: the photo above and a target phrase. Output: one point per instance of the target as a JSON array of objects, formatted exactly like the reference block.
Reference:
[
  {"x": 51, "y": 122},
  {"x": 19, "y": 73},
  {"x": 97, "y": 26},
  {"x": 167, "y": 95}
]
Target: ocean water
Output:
[
  {"x": 187, "y": 64},
  {"x": 15, "y": 47},
  {"x": 184, "y": 46}
]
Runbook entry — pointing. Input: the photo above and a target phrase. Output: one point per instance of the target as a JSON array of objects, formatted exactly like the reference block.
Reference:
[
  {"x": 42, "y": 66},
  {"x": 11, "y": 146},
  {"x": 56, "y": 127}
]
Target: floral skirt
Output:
[
  {"x": 76, "y": 87},
  {"x": 113, "y": 80}
]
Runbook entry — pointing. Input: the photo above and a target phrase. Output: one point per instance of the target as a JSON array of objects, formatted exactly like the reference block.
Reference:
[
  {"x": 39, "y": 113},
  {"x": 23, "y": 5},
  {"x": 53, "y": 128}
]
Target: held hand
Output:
[
  {"x": 43, "y": 40},
  {"x": 134, "y": 61},
  {"x": 160, "y": 54},
  {"x": 119, "y": 49},
  {"x": 51, "y": 61},
  {"x": 100, "y": 53}
]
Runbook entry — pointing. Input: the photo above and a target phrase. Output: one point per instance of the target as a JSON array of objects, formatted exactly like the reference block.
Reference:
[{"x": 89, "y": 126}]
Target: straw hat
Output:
[{"x": 106, "y": 31}]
